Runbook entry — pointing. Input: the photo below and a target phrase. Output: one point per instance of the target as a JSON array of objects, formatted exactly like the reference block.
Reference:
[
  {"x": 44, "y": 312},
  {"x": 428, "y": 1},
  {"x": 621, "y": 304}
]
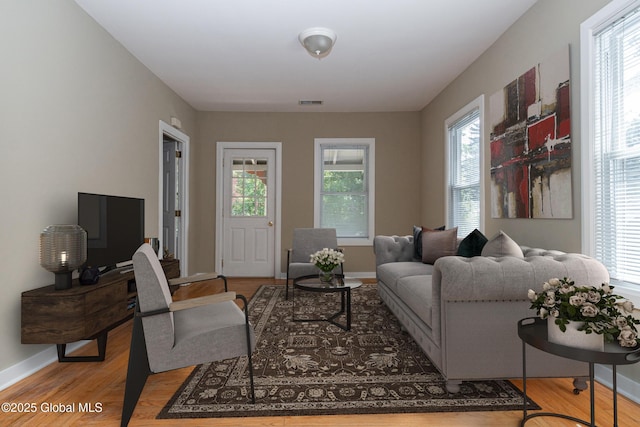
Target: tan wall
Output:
[
  {"x": 77, "y": 113},
  {"x": 548, "y": 26},
  {"x": 397, "y": 172}
]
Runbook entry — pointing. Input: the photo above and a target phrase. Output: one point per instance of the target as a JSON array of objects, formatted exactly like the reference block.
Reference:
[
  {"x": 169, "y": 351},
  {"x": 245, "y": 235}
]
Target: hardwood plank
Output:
[{"x": 103, "y": 382}]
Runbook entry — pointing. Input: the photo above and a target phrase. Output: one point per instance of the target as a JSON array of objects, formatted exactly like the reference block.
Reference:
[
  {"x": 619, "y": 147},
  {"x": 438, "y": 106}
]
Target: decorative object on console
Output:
[
  {"x": 318, "y": 41},
  {"x": 63, "y": 248},
  {"x": 596, "y": 310},
  {"x": 327, "y": 260}
]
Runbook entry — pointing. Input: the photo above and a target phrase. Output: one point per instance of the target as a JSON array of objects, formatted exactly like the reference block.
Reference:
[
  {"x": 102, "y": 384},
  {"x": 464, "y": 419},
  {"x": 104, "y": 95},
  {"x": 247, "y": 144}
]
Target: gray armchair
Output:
[
  {"x": 306, "y": 241},
  {"x": 170, "y": 335}
]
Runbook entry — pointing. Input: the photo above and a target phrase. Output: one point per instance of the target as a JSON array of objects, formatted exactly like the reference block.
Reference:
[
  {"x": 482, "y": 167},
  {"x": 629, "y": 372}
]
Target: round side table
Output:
[{"x": 533, "y": 331}]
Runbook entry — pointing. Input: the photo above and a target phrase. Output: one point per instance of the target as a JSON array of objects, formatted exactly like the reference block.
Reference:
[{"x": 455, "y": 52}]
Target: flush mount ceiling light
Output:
[{"x": 318, "y": 41}]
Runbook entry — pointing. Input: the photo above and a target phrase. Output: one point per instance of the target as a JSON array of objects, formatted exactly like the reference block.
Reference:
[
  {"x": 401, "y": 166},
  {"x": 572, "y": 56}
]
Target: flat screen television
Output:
[{"x": 114, "y": 226}]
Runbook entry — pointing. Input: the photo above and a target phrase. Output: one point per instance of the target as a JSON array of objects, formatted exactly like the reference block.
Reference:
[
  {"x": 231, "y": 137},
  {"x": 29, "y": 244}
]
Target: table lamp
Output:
[{"x": 63, "y": 248}]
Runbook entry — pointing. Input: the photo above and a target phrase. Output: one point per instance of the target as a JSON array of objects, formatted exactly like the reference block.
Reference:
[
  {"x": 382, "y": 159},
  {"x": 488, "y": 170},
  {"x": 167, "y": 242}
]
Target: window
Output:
[
  {"x": 611, "y": 130},
  {"x": 249, "y": 187},
  {"x": 344, "y": 188},
  {"x": 464, "y": 203}
]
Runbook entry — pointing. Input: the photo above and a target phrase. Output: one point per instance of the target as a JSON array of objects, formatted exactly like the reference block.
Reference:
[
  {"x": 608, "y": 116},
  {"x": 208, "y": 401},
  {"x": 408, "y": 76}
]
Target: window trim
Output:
[
  {"x": 477, "y": 103},
  {"x": 588, "y": 29},
  {"x": 317, "y": 185}
]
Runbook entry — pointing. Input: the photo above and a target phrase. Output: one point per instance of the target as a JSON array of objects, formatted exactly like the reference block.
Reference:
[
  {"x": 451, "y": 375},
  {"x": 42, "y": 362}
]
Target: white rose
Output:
[
  {"x": 621, "y": 322},
  {"x": 532, "y": 295},
  {"x": 594, "y": 296},
  {"x": 627, "y": 337},
  {"x": 546, "y": 286},
  {"x": 607, "y": 288},
  {"x": 627, "y": 306},
  {"x": 577, "y": 300},
  {"x": 554, "y": 282},
  {"x": 543, "y": 313},
  {"x": 589, "y": 310}
]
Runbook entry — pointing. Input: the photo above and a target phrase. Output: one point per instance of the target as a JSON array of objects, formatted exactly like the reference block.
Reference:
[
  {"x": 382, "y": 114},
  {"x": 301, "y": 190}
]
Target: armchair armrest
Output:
[
  {"x": 195, "y": 278},
  {"x": 205, "y": 300}
]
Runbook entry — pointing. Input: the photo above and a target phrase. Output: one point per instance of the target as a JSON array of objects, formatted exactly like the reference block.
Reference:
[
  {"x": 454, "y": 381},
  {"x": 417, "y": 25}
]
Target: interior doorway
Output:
[
  {"x": 248, "y": 209},
  {"x": 173, "y": 194}
]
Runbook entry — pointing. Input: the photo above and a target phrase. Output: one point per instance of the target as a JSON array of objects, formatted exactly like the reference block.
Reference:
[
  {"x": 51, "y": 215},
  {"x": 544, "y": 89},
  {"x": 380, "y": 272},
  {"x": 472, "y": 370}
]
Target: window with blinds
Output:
[
  {"x": 464, "y": 172},
  {"x": 344, "y": 188},
  {"x": 616, "y": 146}
]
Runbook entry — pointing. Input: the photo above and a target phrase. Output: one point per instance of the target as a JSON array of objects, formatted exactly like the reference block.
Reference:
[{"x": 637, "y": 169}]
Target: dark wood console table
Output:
[
  {"x": 533, "y": 331},
  {"x": 59, "y": 317}
]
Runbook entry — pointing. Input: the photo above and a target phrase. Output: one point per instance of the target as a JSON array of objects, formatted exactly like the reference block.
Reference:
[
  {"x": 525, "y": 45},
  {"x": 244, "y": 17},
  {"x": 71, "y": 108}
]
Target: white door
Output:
[{"x": 249, "y": 213}]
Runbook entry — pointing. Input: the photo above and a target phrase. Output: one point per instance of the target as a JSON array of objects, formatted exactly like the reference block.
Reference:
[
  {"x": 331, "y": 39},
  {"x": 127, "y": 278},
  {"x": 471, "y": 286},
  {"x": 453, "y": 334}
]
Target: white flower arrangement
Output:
[
  {"x": 327, "y": 259},
  {"x": 601, "y": 311}
]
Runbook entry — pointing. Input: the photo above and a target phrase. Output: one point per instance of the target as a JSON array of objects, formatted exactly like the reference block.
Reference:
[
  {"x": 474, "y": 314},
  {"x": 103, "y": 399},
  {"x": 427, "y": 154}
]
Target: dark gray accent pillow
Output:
[
  {"x": 472, "y": 245},
  {"x": 436, "y": 244},
  {"x": 502, "y": 245}
]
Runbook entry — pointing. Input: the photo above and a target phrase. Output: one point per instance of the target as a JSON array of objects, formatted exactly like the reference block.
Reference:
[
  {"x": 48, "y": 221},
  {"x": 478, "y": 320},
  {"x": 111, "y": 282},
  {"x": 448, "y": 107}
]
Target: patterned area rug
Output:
[{"x": 316, "y": 368}]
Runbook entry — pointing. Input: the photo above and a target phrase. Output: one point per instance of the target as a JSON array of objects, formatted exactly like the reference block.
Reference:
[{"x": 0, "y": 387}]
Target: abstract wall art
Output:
[{"x": 530, "y": 143}]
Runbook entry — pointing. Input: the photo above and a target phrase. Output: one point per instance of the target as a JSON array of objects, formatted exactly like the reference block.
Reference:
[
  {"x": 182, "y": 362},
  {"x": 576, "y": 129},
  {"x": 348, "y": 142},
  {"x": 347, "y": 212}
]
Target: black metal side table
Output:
[
  {"x": 341, "y": 285},
  {"x": 533, "y": 331}
]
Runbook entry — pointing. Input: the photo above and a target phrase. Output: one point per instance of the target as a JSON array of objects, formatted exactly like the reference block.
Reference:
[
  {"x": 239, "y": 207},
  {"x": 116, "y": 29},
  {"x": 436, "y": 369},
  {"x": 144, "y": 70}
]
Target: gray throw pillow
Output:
[
  {"x": 436, "y": 244},
  {"x": 502, "y": 245}
]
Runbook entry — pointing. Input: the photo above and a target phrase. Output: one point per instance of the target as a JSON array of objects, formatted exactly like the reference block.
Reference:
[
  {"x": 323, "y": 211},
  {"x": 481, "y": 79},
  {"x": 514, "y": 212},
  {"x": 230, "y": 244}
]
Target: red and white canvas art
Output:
[{"x": 530, "y": 126}]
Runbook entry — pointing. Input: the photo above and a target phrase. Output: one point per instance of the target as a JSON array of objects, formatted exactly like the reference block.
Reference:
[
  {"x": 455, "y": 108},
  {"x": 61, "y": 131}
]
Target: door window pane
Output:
[{"x": 249, "y": 187}]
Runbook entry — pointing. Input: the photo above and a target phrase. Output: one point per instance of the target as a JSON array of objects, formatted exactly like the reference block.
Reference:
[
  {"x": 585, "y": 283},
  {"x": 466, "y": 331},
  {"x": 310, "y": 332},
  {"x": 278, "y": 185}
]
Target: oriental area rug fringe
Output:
[{"x": 316, "y": 368}]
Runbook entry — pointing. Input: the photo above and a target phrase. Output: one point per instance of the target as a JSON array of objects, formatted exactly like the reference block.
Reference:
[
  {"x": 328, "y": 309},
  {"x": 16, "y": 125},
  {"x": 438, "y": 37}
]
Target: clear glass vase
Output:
[{"x": 326, "y": 277}]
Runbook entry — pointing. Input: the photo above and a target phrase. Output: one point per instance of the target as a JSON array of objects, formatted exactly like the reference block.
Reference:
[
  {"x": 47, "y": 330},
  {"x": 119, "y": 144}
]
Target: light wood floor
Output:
[{"x": 102, "y": 383}]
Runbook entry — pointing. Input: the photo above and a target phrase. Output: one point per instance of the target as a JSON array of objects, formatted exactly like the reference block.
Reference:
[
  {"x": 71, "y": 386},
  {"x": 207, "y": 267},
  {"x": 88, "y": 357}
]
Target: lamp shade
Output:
[{"x": 63, "y": 248}]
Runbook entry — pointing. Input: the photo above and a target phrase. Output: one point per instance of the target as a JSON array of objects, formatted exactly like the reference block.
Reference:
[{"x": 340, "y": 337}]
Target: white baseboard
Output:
[
  {"x": 627, "y": 387},
  {"x": 21, "y": 370}
]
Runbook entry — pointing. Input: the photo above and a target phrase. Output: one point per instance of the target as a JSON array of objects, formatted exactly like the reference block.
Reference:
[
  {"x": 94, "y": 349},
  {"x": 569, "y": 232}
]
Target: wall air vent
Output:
[{"x": 305, "y": 102}]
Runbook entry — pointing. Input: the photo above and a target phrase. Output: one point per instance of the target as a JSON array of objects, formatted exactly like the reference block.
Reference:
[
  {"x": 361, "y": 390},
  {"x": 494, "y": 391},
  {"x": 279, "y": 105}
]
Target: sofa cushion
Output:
[
  {"x": 415, "y": 291},
  {"x": 436, "y": 244},
  {"x": 391, "y": 272},
  {"x": 502, "y": 245},
  {"x": 472, "y": 245}
]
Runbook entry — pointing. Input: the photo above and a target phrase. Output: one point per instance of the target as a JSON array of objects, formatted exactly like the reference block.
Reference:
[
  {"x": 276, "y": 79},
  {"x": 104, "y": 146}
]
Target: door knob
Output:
[{"x": 270, "y": 223}]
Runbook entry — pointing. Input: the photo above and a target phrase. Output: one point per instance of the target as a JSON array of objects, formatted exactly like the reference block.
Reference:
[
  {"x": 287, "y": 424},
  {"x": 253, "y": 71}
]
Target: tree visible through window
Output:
[
  {"x": 343, "y": 188},
  {"x": 249, "y": 187}
]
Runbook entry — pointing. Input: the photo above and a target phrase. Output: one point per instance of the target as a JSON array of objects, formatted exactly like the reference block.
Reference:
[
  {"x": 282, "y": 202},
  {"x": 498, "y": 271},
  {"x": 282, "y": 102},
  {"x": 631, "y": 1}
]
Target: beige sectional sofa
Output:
[{"x": 463, "y": 312}]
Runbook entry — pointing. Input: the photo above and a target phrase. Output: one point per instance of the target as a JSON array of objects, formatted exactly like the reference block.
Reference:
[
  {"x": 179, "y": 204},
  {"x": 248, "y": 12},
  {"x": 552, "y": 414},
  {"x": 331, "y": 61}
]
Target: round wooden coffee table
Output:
[{"x": 341, "y": 285}]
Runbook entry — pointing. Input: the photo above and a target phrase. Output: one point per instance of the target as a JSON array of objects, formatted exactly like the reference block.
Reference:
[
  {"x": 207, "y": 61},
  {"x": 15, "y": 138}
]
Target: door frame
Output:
[
  {"x": 221, "y": 146},
  {"x": 183, "y": 191}
]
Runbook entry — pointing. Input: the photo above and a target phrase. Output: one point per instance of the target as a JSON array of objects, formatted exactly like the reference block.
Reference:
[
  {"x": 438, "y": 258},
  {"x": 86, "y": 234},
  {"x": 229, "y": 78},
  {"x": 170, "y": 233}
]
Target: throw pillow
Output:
[
  {"x": 436, "y": 244},
  {"x": 502, "y": 245},
  {"x": 472, "y": 245},
  {"x": 417, "y": 239}
]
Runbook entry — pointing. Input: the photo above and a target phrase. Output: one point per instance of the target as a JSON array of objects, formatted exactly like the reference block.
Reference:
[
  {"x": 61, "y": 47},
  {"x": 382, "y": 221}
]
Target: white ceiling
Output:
[{"x": 244, "y": 55}]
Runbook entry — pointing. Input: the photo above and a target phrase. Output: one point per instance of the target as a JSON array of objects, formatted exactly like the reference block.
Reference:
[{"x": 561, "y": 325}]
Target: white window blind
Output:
[
  {"x": 616, "y": 142},
  {"x": 344, "y": 188},
  {"x": 464, "y": 173}
]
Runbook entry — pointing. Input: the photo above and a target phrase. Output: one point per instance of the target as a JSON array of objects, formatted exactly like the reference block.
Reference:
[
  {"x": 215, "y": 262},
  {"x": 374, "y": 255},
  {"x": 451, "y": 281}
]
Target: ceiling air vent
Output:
[{"x": 304, "y": 102}]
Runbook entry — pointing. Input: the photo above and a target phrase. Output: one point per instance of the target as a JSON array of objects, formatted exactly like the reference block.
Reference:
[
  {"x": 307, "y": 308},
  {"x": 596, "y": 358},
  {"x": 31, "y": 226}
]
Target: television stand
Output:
[{"x": 83, "y": 312}]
